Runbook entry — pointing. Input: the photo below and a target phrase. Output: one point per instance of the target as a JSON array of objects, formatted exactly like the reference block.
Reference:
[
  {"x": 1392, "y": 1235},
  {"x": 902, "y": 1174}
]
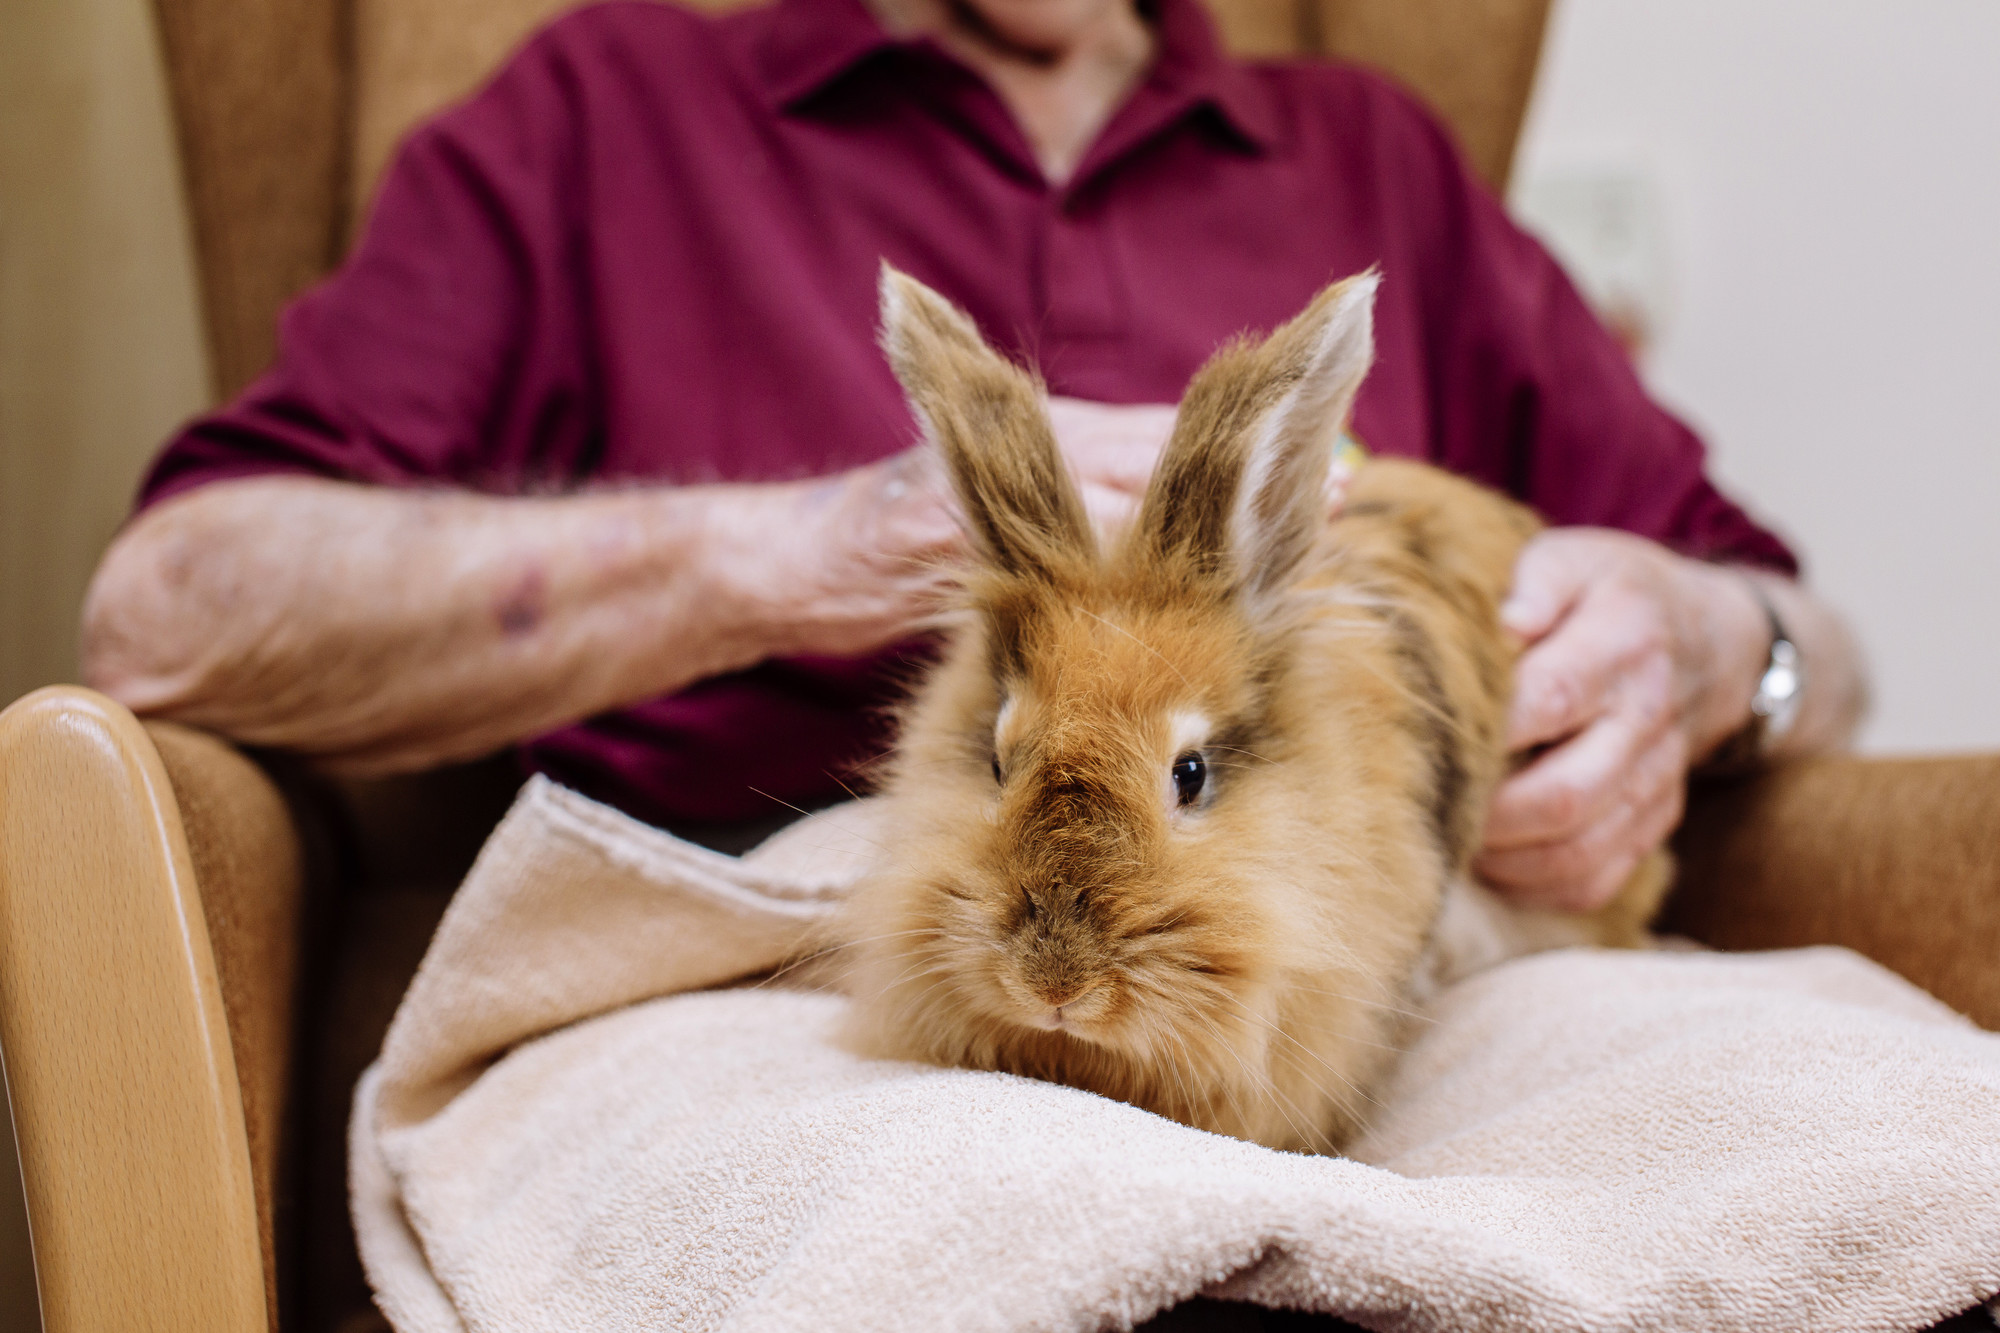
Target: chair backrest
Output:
[{"x": 287, "y": 110}]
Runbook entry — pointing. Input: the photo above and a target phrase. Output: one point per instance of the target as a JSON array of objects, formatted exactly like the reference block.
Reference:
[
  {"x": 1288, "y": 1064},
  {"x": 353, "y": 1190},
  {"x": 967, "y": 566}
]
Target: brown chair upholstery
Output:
[
  {"x": 261, "y": 92},
  {"x": 249, "y": 865},
  {"x": 197, "y": 959},
  {"x": 1898, "y": 859}
]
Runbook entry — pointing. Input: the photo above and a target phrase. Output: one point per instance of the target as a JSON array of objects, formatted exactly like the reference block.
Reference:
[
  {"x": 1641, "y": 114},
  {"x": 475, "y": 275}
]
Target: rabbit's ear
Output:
[
  {"x": 990, "y": 423},
  {"x": 1240, "y": 493}
]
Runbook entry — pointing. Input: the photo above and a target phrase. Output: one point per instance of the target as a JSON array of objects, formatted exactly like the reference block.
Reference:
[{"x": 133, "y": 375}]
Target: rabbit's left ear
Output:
[
  {"x": 1240, "y": 493},
  {"x": 988, "y": 419}
]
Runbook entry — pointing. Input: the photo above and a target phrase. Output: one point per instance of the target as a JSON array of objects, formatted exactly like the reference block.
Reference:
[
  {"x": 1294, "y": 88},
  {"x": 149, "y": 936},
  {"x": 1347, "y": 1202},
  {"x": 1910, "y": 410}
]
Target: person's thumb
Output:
[{"x": 1549, "y": 577}]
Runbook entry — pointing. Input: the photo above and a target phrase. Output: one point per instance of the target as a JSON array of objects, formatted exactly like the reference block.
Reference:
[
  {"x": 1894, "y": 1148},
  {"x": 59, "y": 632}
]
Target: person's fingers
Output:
[
  {"x": 1662, "y": 816},
  {"x": 1635, "y": 750},
  {"x": 1552, "y": 573},
  {"x": 1109, "y": 508},
  {"x": 1611, "y": 641},
  {"x": 916, "y": 476},
  {"x": 1583, "y": 871},
  {"x": 904, "y": 507},
  {"x": 1561, "y": 686},
  {"x": 1569, "y": 877},
  {"x": 1566, "y": 789},
  {"x": 1124, "y": 465},
  {"x": 1648, "y": 827},
  {"x": 1579, "y": 873},
  {"x": 1112, "y": 445}
]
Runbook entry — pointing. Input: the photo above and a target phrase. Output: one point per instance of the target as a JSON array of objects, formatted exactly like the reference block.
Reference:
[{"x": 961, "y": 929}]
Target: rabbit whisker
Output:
[
  {"x": 1306, "y": 1050},
  {"x": 814, "y": 814},
  {"x": 1284, "y": 1105},
  {"x": 1136, "y": 639},
  {"x": 1413, "y": 1014}
]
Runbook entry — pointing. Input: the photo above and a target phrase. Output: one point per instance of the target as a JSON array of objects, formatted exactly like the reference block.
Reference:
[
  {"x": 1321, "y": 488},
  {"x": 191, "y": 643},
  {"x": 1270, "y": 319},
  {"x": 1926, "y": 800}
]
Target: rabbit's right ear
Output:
[
  {"x": 990, "y": 423},
  {"x": 1240, "y": 493}
]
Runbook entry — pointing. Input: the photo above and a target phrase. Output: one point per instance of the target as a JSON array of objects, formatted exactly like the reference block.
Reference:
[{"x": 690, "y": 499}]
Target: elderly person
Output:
[{"x": 588, "y": 449}]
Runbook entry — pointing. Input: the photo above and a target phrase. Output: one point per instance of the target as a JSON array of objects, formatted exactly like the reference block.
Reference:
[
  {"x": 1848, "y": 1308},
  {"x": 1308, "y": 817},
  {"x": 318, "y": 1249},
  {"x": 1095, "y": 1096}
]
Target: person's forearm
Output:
[{"x": 393, "y": 630}]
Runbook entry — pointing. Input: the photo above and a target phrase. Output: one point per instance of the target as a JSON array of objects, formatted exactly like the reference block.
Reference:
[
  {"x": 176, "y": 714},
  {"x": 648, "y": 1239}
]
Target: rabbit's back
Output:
[{"x": 1428, "y": 557}]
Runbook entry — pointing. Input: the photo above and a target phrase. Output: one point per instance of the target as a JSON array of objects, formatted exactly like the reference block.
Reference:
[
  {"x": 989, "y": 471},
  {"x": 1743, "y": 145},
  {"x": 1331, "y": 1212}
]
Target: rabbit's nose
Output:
[{"x": 1057, "y": 995}]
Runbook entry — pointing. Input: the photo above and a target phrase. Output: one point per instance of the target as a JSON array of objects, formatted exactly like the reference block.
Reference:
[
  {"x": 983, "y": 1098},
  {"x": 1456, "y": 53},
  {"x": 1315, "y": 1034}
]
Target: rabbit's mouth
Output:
[
  {"x": 1075, "y": 1008},
  {"x": 1082, "y": 1010}
]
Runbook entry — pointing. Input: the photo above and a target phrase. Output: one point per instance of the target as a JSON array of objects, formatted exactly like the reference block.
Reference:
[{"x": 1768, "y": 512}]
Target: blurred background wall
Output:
[
  {"x": 100, "y": 353},
  {"x": 99, "y": 350},
  {"x": 1795, "y": 208}
]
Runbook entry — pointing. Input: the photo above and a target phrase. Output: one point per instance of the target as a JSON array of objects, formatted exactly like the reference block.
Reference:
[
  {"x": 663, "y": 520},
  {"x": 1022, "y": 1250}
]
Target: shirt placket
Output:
[{"x": 1082, "y": 292}]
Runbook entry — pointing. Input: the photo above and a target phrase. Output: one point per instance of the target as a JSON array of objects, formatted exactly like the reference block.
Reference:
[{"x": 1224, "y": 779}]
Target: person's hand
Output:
[
  {"x": 839, "y": 565},
  {"x": 1112, "y": 449},
  {"x": 845, "y": 564},
  {"x": 1638, "y": 663}
]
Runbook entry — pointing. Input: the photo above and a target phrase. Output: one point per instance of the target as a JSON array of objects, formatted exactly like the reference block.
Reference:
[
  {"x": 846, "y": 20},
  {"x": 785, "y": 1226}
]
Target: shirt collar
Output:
[
  {"x": 808, "y": 45},
  {"x": 1192, "y": 64}
]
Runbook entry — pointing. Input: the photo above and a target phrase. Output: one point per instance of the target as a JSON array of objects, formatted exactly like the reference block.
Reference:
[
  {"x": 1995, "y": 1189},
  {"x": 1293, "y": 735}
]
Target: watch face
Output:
[{"x": 1777, "y": 697}]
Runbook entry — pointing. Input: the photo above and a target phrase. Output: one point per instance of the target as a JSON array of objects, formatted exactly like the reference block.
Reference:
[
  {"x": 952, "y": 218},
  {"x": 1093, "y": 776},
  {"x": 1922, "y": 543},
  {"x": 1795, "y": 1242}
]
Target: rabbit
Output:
[{"x": 1176, "y": 816}]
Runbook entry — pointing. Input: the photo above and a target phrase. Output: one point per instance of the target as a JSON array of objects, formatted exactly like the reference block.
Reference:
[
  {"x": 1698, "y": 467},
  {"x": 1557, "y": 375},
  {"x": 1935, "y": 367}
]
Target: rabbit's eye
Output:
[{"x": 1190, "y": 774}]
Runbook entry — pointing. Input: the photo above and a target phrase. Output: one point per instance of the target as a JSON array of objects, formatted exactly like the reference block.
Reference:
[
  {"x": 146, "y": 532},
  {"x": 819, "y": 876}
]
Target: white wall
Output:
[
  {"x": 1828, "y": 177},
  {"x": 100, "y": 353}
]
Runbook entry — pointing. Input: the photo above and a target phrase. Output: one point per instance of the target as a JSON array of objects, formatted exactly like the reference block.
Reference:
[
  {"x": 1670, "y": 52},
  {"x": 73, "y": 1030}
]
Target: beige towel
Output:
[{"x": 560, "y": 1136}]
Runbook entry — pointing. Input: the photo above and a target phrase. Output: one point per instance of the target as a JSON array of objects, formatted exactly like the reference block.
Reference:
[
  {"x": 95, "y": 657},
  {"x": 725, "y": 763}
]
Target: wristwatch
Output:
[
  {"x": 1783, "y": 685},
  {"x": 1775, "y": 705}
]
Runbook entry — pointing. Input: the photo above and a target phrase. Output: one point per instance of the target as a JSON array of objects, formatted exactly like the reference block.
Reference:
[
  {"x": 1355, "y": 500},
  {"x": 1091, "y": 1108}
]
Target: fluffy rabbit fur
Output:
[{"x": 1174, "y": 821}]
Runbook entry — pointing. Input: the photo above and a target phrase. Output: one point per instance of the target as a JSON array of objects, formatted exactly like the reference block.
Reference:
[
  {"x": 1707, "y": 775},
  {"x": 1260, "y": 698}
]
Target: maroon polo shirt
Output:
[{"x": 647, "y": 251}]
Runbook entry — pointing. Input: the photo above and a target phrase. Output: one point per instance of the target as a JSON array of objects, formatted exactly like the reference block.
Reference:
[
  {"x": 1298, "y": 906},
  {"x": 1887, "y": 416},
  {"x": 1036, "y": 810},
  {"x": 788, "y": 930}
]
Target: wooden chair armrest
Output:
[
  {"x": 142, "y": 1195},
  {"x": 1898, "y": 859}
]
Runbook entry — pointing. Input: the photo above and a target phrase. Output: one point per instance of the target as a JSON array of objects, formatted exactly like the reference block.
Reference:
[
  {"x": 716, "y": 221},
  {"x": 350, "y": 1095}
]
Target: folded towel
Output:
[{"x": 577, "y": 1123}]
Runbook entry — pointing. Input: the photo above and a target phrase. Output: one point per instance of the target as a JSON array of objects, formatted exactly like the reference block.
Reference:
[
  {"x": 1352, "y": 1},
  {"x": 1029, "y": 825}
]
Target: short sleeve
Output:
[{"x": 447, "y": 349}]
